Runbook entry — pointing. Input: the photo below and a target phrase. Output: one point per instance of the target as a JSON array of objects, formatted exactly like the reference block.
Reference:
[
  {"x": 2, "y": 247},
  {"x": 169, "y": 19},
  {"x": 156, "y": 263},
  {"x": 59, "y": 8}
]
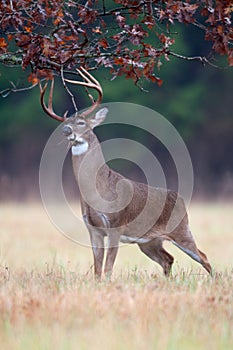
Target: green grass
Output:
[{"x": 49, "y": 300}]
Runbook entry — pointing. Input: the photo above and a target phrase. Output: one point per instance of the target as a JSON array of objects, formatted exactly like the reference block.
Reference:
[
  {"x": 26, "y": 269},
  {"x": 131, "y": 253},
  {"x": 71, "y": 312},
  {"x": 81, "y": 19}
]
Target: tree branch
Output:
[
  {"x": 6, "y": 92},
  {"x": 201, "y": 59}
]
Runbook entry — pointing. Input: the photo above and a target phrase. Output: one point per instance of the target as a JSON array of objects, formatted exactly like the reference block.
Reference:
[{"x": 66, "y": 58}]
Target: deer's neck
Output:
[{"x": 89, "y": 164}]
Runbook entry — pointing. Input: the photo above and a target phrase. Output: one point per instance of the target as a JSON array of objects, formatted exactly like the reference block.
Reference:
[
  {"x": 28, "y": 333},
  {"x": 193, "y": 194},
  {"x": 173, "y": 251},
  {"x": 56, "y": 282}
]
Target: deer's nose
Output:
[{"x": 67, "y": 130}]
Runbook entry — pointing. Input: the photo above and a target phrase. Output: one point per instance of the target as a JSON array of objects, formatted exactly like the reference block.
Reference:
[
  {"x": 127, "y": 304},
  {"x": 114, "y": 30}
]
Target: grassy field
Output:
[{"x": 48, "y": 299}]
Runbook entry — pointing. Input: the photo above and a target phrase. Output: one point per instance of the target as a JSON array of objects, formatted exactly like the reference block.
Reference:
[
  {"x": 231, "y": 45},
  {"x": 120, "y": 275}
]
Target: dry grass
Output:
[{"x": 48, "y": 299}]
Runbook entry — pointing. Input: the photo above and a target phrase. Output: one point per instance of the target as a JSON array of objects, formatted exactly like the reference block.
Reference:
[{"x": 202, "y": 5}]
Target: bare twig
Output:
[
  {"x": 8, "y": 91},
  {"x": 201, "y": 59},
  {"x": 68, "y": 91}
]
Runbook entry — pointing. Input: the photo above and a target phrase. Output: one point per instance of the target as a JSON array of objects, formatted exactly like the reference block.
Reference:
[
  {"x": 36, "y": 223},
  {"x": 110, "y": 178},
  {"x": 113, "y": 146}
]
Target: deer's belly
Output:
[{"x": 130, "y": 239}]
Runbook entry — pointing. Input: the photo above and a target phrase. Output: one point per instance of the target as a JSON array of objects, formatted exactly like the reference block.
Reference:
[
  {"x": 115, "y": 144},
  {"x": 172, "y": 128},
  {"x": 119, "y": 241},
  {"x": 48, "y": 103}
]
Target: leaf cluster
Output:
[{"x": 129, "y": 37}]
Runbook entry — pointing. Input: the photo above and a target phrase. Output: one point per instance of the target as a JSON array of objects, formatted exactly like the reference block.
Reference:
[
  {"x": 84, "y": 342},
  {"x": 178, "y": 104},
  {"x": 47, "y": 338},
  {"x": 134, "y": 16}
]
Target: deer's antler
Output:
[
  {"x": 89, "y": 82},
  {"x": 49, "y": 109}
]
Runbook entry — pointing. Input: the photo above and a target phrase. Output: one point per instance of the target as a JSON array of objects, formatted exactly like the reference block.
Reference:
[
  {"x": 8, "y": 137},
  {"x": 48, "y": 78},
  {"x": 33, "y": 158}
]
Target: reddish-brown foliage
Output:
[{"x": 123, "y": 35}]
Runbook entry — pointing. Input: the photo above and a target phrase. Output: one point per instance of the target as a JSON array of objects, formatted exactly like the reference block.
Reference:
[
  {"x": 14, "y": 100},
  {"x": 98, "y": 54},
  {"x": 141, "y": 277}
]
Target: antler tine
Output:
[
  {"x": 90, "y": 82},
  {"x": 91, "y": 77},
  {"x": 49, "y": 110}
]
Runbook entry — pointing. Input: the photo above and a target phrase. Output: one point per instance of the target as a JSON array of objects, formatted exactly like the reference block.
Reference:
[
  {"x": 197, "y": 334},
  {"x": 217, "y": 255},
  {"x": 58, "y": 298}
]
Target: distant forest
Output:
[{"x": 197, "y": 99}]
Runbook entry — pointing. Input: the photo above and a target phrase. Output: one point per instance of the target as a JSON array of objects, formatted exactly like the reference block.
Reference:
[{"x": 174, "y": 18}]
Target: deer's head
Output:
[{"x": 76, "y": 126}]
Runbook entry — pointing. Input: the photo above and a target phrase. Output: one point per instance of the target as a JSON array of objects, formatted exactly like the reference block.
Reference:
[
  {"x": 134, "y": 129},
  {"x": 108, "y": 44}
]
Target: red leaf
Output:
[
  {"x": 3, "y": 43},
  {"x": 28, "y": 29},
  {"x": 97, "y": 30},
  {"x": 103, "y": 42},
  {"x": 119, "y": 61},
  {"x": 10, "y": 37},
  {"x": 230, "y": 58},
  {"x": 159, "y": 81},
  {"x": 32, "y": 78}
]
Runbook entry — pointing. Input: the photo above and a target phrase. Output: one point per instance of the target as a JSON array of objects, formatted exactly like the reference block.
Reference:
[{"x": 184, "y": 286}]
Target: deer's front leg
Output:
[
  {"x": 97, "y": 243},
  {"x": 113, "y": 245}
]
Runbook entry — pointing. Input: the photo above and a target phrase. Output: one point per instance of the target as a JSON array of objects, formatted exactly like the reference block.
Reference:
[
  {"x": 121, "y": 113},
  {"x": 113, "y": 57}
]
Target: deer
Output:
[{"x": 113, "y": 206}]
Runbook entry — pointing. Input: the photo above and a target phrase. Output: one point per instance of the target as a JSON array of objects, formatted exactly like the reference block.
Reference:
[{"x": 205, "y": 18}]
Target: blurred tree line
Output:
[{"x": 198, "y": 101}]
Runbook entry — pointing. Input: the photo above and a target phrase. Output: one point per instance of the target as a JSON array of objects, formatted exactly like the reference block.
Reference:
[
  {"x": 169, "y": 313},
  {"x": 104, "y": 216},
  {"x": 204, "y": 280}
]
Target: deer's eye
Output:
[{"x": 81, "y": 123}]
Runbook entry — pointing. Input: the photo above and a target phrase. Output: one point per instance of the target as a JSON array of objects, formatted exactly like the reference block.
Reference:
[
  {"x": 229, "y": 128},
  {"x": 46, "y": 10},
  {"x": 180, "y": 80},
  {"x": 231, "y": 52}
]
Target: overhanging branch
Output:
[{"x": 201, "y": 59}]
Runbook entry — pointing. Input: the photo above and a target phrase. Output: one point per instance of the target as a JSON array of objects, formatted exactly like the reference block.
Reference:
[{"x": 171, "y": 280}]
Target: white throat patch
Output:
[{"x": 80, "y": 148}]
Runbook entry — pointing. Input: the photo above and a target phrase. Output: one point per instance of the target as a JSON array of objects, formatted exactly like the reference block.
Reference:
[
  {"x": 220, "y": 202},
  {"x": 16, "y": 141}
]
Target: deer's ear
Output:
[{"x": 99, "y": 117}]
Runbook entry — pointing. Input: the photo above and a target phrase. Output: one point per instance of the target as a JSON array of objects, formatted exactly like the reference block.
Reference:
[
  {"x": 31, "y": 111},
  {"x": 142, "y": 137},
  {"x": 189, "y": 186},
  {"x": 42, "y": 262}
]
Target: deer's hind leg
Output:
[
  {"x": 156, "y": 252},
  {"x": 187, "y": 244}
]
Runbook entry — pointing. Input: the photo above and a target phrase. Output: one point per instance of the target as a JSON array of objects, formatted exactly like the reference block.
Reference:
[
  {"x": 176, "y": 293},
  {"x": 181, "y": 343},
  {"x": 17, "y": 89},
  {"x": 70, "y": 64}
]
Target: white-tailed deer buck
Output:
[{"x": 118, "y": 208}]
